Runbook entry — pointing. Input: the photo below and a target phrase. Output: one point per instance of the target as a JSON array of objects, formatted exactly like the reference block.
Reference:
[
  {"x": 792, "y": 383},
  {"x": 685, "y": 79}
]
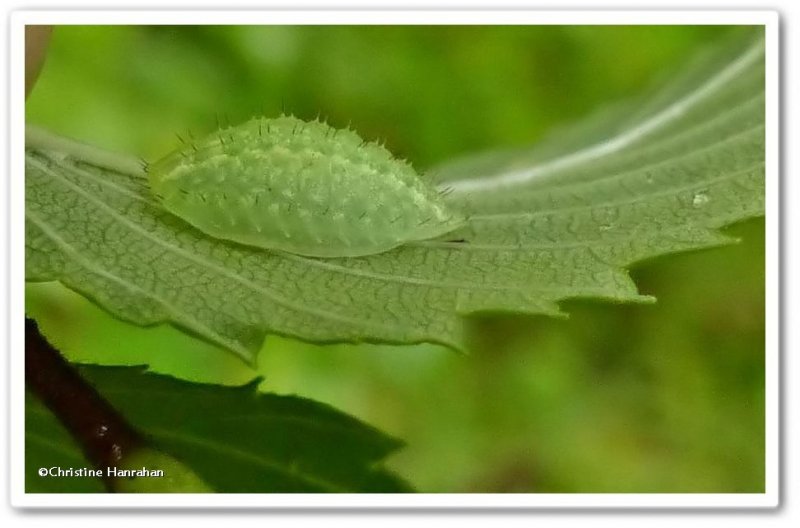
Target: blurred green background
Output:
[{"x": 642, "y": 398}]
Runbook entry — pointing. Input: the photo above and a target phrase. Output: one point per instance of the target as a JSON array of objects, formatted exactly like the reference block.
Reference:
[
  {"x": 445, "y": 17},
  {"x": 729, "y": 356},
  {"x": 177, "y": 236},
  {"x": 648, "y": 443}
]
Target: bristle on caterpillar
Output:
[{"x": 300, "y": 187}]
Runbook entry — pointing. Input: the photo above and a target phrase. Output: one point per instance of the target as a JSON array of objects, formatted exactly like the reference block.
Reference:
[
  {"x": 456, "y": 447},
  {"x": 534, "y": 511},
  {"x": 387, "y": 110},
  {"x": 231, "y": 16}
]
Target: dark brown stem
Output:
[{"x": 101, "y": 431}]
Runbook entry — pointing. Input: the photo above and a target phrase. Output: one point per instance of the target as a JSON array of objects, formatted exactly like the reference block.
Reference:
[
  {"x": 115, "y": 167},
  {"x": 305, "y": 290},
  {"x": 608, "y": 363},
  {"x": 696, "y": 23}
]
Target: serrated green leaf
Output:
[
  {"x": 234, "y": 438},
  {"x": 559, "y": 221}
]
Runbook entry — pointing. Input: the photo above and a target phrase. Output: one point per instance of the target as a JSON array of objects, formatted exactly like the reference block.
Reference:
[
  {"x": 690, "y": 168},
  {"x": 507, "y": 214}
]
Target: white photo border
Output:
[{"x": 769, "y": 499}]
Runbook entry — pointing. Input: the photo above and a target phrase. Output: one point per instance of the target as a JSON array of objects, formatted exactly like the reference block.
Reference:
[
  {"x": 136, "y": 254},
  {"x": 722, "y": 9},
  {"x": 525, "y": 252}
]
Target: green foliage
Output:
[
  {"x": 666, "y": 397},
  {"x": 233, "y": 438},
  {"x": 177, "y": 477},
  {"x": 663, "y": 398},
  {"x": 431, "y": 92},
  {"x": 558, "y": 222}
]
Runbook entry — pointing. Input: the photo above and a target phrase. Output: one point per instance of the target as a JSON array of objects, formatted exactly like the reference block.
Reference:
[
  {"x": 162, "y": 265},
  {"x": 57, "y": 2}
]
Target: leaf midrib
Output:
[
  {"x": 172, "y": 311},
  {"x": 208, "y": 265},
  {"x": 631, "y": 135},
  {"x": 572, "y": 187},
  {"x": 242, "y": 454}
]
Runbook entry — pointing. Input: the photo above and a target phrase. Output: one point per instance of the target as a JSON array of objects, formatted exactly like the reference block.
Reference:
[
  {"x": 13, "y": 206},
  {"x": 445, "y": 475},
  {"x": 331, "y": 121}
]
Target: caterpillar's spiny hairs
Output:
[{"x": 315, "y": 204}]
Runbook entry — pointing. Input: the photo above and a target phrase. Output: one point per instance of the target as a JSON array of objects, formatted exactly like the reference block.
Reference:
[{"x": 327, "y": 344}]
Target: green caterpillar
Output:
[{"x": 300, "y": 187}]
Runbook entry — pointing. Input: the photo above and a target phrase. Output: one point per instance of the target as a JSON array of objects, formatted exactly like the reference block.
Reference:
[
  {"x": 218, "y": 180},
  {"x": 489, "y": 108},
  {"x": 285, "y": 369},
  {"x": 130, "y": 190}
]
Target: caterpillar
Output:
[{"x": 300, "y": 187}]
